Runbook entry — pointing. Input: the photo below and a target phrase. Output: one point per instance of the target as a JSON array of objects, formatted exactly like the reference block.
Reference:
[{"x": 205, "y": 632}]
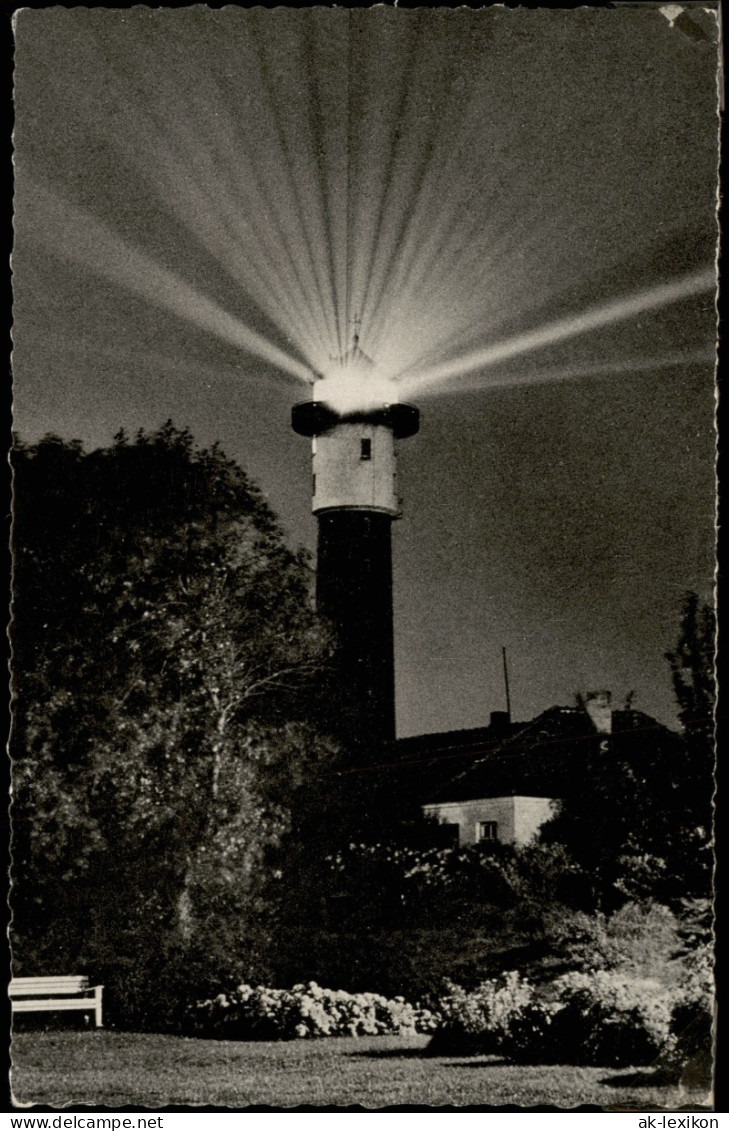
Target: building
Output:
[
  {"x": 499, "y": 783},
  {"x": 354, "y": 423}
]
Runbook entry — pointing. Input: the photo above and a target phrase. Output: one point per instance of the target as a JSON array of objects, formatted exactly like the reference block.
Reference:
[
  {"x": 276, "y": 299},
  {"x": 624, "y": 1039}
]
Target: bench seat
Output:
[{"x": 72, "y": 992}]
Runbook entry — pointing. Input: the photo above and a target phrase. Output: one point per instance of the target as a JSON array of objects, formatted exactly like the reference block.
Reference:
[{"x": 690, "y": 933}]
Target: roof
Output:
[{"x": 539, "y": 758}]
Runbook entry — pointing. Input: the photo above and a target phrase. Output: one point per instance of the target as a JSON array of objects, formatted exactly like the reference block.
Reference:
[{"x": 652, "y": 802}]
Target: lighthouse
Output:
[{"x": 354, "y": 421}]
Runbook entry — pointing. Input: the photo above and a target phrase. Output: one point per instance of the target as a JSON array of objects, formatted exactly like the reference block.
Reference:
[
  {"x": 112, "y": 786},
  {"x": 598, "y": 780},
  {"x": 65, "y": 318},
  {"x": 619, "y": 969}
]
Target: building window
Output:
[
  {"x": 365, "y": 449},
  {"x": 487, "y": 830}
]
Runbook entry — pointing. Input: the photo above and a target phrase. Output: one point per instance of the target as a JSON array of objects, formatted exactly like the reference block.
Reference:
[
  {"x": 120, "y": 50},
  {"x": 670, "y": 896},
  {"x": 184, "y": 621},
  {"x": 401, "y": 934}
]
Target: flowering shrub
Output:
[
  {"x": 641, "y": 938},
  {"x": 427, "y": 883},
  {"x": 479, "y": 1020},
  {"x": 261, "y": 1013},
  {"x": 431, "y": 866},
  {"x": 692, "y": 1015},
  {"x": 600, "y": 1018},
  {"x": 531, "y": 1037}
]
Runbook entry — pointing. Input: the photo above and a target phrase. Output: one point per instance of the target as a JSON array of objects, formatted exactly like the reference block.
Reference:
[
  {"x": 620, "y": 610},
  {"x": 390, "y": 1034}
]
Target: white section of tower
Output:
[{"x": 354, "y": 467}]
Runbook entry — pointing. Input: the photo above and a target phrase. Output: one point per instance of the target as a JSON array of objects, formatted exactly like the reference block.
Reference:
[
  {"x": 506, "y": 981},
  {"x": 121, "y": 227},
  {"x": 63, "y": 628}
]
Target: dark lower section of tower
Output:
[{"x": 354, "y": 591}]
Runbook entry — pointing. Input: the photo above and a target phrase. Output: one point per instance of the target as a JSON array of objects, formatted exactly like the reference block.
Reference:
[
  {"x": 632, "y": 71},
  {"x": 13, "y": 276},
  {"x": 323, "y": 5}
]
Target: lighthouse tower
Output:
[{"x": 353, "y": 425}]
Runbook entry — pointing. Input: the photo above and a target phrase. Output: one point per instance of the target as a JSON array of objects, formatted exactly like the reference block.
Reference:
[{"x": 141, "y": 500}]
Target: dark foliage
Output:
[
  {"x": 405, "y": 921},
  {"x": 639, "y": 822},
  {"x": 165, "y": 654}
]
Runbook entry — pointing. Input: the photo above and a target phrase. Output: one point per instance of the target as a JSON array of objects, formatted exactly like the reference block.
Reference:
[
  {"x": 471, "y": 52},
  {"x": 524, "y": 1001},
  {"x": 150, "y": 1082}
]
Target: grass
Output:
[{"x": 114, "y": 1069}]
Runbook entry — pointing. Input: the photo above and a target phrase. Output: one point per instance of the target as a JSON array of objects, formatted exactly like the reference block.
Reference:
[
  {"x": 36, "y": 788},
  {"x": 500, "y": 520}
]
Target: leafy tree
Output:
[
  {"x": 692, "y": 664},
  {"x": 694, "y": 685},
  {"x": 638, "y": 822},
  {"x": 678, "y": 862},
  {"x": 165, "y": 656}
]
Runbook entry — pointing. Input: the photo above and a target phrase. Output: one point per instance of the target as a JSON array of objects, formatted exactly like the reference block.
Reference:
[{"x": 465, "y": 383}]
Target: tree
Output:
[
  {"x": 692, "y": 664},
  {"x": 624, "y": 810},
  {"x": 694, "y": 685},
  {"x": 165, "y": 658},
  {"x": 639, "y": 820}
]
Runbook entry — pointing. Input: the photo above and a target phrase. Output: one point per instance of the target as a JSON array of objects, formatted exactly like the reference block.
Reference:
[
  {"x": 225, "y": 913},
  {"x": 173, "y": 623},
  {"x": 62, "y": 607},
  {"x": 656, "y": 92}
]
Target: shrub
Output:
[
  {"x": 421, "y": 963},
  {"x": 601, "y": 1018},
  {"x": 642, "y": 937},
  {"x": 388, "y": 886},
  {"x": 531, "y": 1037},
  {"x": 262, "y": 1013},
  {"x": 479, "y": 1020},
  {"x": 692, "y": 1019}
]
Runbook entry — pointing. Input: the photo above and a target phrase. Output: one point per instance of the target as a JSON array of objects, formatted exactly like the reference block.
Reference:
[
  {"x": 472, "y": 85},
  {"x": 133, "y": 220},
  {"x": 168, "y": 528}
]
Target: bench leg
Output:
[{"x": 97, "y": 1008}]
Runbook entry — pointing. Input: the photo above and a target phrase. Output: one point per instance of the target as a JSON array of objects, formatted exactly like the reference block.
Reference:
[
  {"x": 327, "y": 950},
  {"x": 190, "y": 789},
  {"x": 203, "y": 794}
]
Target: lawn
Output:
[{"x": 150, "y": 1070}]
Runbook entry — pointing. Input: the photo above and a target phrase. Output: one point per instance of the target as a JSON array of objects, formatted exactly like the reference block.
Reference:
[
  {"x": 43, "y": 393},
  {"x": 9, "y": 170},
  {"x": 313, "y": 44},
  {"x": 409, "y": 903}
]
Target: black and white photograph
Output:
[{"x": 364, "y": 525}]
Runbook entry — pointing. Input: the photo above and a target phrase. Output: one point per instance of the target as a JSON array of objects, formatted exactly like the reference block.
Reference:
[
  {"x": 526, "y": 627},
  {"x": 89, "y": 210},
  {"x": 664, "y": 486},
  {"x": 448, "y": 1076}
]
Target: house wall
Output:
[
  {"x": 530, "y": 813},
  {"x": 517, "y": 818}
]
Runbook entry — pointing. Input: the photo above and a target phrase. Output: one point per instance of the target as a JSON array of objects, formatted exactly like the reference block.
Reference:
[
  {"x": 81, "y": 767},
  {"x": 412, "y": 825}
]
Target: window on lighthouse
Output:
[{"x": 365, "y": 449}]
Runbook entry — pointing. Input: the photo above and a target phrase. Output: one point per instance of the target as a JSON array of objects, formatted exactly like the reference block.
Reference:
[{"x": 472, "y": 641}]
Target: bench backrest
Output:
[{"x": 30, "y": 987}]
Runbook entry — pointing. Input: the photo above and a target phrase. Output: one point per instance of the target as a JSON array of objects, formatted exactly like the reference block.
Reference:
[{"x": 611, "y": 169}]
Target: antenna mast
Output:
[{"x": 506, "y": 683}]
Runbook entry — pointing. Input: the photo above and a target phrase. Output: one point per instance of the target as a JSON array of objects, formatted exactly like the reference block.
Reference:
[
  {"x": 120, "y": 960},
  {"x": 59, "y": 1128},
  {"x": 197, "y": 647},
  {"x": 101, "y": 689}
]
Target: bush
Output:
[
  {"x": 692, "y": 1020},
  {"x": 261, "y": 1013},
  {"x": 601, "y": 1018},
  {"x": 639, "y": 939},
  {"x": 419, "y": 963},
  {"x": 386, "y": 886},
  {"x": 642, "y": 938},
  {"x": 479, "y": 1020}
]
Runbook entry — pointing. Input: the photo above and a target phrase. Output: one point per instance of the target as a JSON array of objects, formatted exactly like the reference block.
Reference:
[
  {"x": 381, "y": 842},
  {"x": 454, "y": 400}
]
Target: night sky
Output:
[{"x": 207, "y": 199}]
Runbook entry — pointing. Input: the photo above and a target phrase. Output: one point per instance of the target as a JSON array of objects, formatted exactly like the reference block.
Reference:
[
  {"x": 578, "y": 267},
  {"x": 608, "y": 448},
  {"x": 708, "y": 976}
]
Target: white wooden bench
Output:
[{"x": 33, "y": 995}]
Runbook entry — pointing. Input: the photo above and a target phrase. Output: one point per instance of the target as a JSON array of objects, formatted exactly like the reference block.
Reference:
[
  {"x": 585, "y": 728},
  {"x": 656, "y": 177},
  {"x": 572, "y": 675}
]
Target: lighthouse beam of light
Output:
[
  {"x": 611, "y": 313},
  {"x": 74, "y": 234},
  {"x": 332, "y": 165},
  {"x": 186, "y": 163},
  {"x": 617, "y": 367},
  {"x": 292, "y": 151}
]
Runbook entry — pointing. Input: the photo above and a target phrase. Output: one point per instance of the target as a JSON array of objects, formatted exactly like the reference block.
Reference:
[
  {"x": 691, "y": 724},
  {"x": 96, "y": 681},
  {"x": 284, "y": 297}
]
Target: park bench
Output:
[{"x": 33, "y": 995}]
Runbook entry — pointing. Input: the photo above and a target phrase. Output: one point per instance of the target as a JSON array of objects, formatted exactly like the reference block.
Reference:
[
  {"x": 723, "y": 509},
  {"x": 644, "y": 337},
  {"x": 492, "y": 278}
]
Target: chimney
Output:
[
  {"x": 500, "y": 721},
  {"x": 598, "y": 706}
]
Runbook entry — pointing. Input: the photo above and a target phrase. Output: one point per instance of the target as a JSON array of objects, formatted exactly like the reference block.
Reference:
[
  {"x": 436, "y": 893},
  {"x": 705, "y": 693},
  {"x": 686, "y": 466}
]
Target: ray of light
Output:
[
  {"x": 608, "y": 314},
  {"x": 73, "y": 234},
  {"x": 187, "y": 163},
  {"x": 307, "y": 228},
  {"x": 329, "y": 165},
  {"x": 474, "y": 382},
  {"x": 387, "y": 73}
]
